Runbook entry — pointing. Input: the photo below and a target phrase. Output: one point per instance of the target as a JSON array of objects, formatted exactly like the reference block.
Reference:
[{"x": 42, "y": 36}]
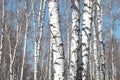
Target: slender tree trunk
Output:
[
  {"x": 1, "y": 37},
  {"x": 10, "y": 68},
  {"x": 101, "y": 52},
  {"x": 74, "y": 39},
  {"x": 40, "y": 26},
  {"x": 25, "y": 43},
  {"x": 24, "y": 53},
  {"x": 112, "y": 54},
  {"x": 112, "y": 36},
  {"x": 35, "y": 46},
  {"x": 35, "y": 61},
  {"x": 16, "y": 43},
  {"x": 92, "y": 64},
  {"x": 57, "y": 47},
  {"x": 4, "y": 69},
  {"x": 12, "y": 57},
  {"x": 51, "y": 60},
  {"x": 68, "y": 51},
  {"x": 95, "y": 41},
  {"x": 86, "y": 34}
]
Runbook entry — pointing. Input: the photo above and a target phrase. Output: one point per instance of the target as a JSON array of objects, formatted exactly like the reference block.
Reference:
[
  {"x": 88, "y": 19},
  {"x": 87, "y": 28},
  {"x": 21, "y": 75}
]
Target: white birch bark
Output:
[
  {"x": 35, "y": 61},
  {"x": 95, "y": 41},
  {"x": 57, "y": 48},
  {"x": 50, "y": 60},
  {"x": 37, "y": 41},
  {"x": 86, "y": 34},
  {"x": 92, "y": 64},
  {"x": 96, "y": 59},
  {"x": 35, "y": 46},
  {"x": 101, "y": 52},
  {"x": 25, "y": 43},
  {"x": 74, "y": 39}
]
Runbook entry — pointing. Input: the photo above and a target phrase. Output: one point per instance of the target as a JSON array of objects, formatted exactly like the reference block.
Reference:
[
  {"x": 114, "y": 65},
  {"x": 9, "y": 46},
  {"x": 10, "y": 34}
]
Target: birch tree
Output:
[
  {"x": 1, "y": 36},
  {"x": 86, "y": 34},
  {"x": 51, "y": 75},
  {"x": 25, "y": 43},
  {"x": 57, "y": 47},
  {"x": 11, "y": 53},
  {"x": 112, "y": 38},
  {"x": 35, "y": 45},
  {"x": 74, "y": 39},
  {"x": 100, "y": 35},
  {"x": 40, "y": 28},
  {"x": 93, "y": 44},
  {"x": 95, "y": 41}
]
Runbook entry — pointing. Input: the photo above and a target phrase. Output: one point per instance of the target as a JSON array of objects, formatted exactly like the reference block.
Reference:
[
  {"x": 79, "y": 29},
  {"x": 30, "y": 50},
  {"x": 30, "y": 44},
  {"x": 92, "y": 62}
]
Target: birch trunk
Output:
[
  {"x": 86, "y": 34},
  {"x": 4, "y": 70},
  {"x": 95, "y": 41},
  {"x": 113, "y": 64},
  {"x": 40, "y": 26},
  {"x": 35, "y": 46},
  {"x": 74, "y": 39},
  {"x": 17, "y": 37},
  {"x": 101, "y": 52},
  {"x": 51, "y": 60},
  {"x": 92, "y": 64},
  {"x": 12, "y": 56},
  {"x": 24, "y": 53},
  {"x": 112, "y": 36},
  {"x": 96, "y": 58},
  {"x": 10, "y": 68},
  {"x": 1, "y": 37},
  {"x": 35, "y": 61},
  {"x": 25, "y": 43},
  {"x": 57, "y": 47}
]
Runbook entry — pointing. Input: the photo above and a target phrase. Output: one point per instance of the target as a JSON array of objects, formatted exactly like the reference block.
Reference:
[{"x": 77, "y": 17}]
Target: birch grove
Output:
[{"x": 59, "y": 40}]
